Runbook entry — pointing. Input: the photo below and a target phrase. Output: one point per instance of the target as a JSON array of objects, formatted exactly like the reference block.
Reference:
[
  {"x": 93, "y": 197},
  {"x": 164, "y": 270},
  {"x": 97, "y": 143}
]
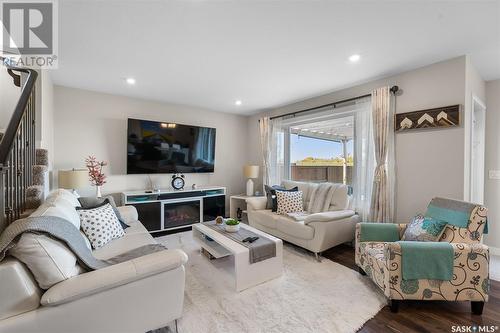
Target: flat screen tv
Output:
[{"x": 162, "y": 147}]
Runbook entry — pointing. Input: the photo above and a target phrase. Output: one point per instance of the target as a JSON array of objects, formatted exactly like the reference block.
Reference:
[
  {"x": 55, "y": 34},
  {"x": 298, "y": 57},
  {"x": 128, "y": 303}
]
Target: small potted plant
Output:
[{"x": 232, "y": 225}]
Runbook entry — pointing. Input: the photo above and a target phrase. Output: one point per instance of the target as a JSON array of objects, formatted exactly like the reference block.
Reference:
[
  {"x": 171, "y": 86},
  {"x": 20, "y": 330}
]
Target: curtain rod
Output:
[{"x": 394, "y": 90}]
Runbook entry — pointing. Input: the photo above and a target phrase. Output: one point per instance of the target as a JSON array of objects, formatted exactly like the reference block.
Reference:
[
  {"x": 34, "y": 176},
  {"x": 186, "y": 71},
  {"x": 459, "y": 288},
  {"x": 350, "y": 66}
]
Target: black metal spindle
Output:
[{"x": 17, "y": 152}]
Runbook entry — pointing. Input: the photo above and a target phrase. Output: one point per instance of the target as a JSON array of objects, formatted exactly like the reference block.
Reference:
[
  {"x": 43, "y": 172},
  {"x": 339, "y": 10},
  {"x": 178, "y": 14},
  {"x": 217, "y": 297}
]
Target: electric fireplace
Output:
[{"x": 180, "y": 213}]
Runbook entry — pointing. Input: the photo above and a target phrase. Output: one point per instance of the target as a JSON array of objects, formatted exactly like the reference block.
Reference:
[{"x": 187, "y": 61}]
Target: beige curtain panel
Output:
[
  {"x": 265, "y": 141},
  {"x": 382, "y": 202}
]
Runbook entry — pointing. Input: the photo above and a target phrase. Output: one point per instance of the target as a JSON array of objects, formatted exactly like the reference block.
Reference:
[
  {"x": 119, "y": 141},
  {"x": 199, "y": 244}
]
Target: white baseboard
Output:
[{"x": 494, "y": 250}]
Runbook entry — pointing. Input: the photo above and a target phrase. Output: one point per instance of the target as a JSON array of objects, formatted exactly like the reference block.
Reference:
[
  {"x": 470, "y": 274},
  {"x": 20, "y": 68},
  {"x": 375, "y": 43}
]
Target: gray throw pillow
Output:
[
  {"x": 272, "y": 202},
  {"x": 93, "y": 202}
]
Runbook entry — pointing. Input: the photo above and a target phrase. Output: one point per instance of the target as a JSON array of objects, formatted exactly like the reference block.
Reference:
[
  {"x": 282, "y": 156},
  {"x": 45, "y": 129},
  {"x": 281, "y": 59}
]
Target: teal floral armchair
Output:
[{"x": 381, "y": 260}]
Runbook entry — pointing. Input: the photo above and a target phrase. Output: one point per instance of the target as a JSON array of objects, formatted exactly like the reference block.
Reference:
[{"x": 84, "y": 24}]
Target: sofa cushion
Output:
[
  {"x": 302, "y": 186},
  {"x": 265, "y": 217},
  {"x": 133, "y": 239},
  {"x": 65, "y": 194},
  {"x": 20, "y": 292},
  {"x": 294, "y": 228},
  {"x": 136, "y": 227},
  {"x": 340, "y": 198},
  {"x": 59, "y": 207},
  {"x": 48, "y": 259}
]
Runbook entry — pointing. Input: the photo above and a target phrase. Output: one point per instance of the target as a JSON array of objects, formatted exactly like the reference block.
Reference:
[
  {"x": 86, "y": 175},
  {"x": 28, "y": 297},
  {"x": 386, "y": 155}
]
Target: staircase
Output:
[{"x": 17, "y": 148}]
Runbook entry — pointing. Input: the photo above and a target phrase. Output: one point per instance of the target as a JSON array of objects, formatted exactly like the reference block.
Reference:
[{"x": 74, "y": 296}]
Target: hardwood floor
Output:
[{"x": 421, "y": 316}]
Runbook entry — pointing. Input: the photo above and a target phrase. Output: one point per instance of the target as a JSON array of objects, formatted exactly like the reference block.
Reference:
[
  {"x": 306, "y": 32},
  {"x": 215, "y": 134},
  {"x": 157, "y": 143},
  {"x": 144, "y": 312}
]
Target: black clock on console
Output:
[{"x": 178, "y": 181}]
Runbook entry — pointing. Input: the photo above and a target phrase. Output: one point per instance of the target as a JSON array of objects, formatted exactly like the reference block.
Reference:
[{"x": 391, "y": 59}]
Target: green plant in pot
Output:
[{"x": 232, "y": 225}]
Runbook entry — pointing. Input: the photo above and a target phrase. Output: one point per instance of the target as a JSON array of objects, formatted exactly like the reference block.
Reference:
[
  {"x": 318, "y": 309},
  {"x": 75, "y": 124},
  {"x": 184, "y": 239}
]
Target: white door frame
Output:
[{"x": 481, "y": 163}]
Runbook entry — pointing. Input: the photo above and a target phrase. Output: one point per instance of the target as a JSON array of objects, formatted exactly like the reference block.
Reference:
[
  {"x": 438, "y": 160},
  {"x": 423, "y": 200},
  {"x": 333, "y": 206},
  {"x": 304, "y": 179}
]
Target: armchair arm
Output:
[
  {"x": 329, "y": 216},
  {"x": 256, "y": 203},
  {"x": 470, "y": 276},
  {"x": 128, "y": 213},
  {"x": 113, "y": 276},
  {"x": 379, "y": 232}
]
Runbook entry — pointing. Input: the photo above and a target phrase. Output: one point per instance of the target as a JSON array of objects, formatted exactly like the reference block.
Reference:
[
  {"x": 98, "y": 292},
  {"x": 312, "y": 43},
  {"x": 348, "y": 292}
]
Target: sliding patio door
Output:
[{"x": 332, "y": 145}]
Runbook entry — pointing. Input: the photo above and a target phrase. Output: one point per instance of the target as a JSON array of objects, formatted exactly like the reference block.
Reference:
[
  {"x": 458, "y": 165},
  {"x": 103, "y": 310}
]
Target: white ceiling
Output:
[{"x": 266, "y": 53}]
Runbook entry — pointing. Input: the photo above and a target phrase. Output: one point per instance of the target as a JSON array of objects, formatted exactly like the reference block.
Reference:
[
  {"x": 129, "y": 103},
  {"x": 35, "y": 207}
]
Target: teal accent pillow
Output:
[{"x": 424, "y": 229}]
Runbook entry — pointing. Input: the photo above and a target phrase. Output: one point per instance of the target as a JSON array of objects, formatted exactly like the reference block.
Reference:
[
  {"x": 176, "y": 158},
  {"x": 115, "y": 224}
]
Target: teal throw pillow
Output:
[{"x": 424, "y": 229}]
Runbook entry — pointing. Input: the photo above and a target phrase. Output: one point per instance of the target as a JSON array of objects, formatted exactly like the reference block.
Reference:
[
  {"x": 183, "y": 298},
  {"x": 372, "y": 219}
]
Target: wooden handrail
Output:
[
  {"x": 15, "y": 121},
  {"x": 17, "y": 149}
]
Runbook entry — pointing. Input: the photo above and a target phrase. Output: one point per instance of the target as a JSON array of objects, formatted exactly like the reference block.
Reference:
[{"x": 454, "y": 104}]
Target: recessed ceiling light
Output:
[
  {"x": 238, "y": 102},
  {"x": 130, "y": 80},
  {"x": 354, "y": 58}
]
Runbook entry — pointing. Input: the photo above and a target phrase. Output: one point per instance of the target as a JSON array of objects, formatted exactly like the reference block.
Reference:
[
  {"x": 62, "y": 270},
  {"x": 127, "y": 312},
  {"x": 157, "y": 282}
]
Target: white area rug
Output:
[{"x": 309, "y": 297}]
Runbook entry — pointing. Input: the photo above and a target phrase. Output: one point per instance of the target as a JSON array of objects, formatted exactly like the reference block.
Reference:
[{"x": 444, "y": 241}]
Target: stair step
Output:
[{"x": 42, "y": 157}]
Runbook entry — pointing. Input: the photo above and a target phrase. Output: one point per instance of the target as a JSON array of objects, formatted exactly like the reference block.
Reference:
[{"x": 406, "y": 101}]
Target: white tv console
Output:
[{"x": 171, "y": 209}]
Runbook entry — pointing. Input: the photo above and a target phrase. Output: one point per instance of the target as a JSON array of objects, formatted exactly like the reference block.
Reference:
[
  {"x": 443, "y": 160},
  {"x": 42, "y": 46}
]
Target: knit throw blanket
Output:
[
  {"x": 62, "y": 230},
  {"x": 320, "y": 198}
]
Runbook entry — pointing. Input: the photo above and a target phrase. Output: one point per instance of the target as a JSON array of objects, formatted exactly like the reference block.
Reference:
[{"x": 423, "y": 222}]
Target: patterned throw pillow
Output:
[
  {"x": 289, "y": 202},
  {"x": 424, "y": 229},
  {"x": 100, "y": 224},
  {"x": 93, "y": 202},
  {"x": 272, "y": 202}
]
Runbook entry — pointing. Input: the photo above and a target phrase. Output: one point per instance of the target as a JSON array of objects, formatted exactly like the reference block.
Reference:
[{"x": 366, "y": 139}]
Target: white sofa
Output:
[
  {"x": 319, "y": 231},
  {"x": 139, "y": 295}
]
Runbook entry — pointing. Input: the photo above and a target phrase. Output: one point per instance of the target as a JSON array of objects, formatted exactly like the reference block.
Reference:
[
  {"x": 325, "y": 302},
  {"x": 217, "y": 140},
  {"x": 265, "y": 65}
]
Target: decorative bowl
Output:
[{"x": 232, "y": 228}]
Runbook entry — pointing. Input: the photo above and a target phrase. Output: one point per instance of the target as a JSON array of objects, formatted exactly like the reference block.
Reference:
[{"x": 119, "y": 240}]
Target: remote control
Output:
[{"x": 253, "y": 239}]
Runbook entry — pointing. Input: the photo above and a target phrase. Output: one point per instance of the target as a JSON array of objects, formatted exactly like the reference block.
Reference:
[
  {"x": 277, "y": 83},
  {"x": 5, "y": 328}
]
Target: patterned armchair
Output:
[{"x": 381, "y": 261}]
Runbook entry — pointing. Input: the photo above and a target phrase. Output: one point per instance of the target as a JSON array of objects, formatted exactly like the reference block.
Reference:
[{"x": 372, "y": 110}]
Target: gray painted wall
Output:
[
  {"x": 429, "y": 163},
  {"x": 492, "y": 162},
  {"x": 94, "y": 123}
]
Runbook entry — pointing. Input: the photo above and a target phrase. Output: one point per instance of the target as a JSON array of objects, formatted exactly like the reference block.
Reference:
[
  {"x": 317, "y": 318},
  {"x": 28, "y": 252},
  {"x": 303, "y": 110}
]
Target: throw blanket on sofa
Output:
[
  {"x": 454, "y": 212},
  {"x": 427, "y": 260},
  {"x": 320, "y": 198},
  {"x": 65, "y": 231}
]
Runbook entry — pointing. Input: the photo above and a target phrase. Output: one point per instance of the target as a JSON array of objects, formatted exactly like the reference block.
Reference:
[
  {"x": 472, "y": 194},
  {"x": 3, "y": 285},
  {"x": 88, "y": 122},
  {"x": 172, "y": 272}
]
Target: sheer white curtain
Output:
[
  {"x": 272, "y": 138},
  {"x": 364, "y": 159}
]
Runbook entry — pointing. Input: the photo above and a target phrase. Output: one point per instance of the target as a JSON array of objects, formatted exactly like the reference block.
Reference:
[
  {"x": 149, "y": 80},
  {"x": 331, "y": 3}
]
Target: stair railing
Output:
[{"x": 17, "y": 148}]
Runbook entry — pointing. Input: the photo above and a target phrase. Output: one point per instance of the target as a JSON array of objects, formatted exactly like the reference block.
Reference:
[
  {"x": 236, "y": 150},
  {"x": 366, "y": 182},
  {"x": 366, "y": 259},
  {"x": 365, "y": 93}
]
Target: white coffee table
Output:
[{"x": 245, "y": 274}]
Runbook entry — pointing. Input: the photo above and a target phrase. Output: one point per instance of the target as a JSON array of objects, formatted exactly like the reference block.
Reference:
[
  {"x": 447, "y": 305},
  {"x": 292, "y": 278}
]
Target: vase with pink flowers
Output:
[{"x": 96, "y": 175}]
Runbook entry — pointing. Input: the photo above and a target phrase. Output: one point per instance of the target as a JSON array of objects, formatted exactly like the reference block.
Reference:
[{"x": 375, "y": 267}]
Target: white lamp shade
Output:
[
  {"x": 73, "y": 179},
  {"x": 251, "y": 171}
]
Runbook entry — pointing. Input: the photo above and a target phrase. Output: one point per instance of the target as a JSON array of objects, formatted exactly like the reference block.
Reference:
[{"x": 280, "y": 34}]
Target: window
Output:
[{"x": 322, "y": 151}]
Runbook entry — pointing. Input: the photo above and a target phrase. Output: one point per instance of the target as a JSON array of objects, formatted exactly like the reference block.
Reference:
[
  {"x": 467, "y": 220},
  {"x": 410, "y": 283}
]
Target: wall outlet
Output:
[{"x": 494, "y": 174}]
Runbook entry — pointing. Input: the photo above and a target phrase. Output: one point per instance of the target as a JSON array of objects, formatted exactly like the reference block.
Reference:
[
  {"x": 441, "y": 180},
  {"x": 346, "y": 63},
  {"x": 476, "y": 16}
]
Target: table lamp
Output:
[
  {"x": 250, "y": 172},
  {"x": 73, "y": 179}
]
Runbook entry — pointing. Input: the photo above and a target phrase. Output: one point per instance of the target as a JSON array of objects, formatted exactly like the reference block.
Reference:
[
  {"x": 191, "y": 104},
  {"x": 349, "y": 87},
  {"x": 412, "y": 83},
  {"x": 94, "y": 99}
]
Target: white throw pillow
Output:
[
  {"x": 59, "y": 207},
  {"x": 289, "y": 202},
  {"x": 49, "y": 260},
  {"x": 65, "y": 194},
  {"x": 100, "y": 224}
]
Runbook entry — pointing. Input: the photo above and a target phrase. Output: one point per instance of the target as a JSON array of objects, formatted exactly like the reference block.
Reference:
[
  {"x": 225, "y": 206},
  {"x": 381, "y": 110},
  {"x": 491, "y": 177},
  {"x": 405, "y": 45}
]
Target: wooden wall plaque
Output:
[{"x": 447, "y": 116}]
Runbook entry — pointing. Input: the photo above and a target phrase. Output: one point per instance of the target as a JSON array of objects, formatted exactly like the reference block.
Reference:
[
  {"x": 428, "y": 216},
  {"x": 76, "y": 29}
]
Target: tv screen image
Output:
[{"x": 161, "y": 147}]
